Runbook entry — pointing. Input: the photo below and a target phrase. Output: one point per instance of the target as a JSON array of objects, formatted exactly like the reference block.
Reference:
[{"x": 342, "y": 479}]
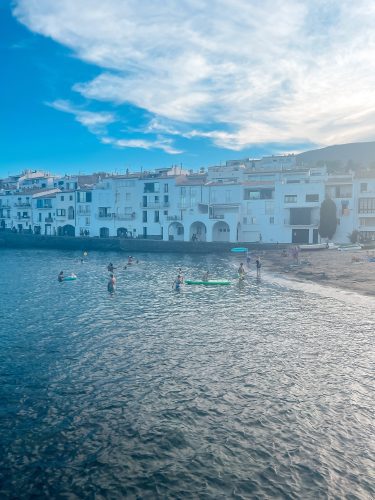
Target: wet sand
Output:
[{"x": 348, "y": 270}]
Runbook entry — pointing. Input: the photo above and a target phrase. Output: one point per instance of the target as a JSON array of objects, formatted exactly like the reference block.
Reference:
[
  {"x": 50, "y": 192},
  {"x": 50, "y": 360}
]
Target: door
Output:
[
  {"x": 315, "y": 236},
  {"x": 300, "y": 236}
]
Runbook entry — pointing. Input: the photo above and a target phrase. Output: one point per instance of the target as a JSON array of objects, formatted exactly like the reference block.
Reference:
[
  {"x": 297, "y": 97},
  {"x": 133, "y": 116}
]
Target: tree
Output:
[{"x": 328, "y": 219}]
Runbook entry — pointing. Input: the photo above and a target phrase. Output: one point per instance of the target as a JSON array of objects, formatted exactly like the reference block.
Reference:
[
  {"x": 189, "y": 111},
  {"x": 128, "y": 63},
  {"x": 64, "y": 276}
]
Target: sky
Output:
[{"x": 109, "y": 85}]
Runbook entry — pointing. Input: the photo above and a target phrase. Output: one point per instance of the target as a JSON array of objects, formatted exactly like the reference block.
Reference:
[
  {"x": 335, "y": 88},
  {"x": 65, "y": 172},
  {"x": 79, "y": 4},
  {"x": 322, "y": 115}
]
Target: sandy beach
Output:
[{"x": 348, "y": 270}]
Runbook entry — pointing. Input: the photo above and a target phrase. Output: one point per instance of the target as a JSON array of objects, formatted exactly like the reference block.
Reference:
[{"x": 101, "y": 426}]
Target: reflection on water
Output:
[{"x": 250, "y": 390}]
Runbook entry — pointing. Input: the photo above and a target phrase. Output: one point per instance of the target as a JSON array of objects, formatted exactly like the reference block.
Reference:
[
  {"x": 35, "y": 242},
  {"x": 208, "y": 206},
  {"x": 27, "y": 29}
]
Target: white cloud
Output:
[
  {"x": 272, "y": 71},
  {"x": 96, "y": 122},
  {"x": 164, "y": 145}
]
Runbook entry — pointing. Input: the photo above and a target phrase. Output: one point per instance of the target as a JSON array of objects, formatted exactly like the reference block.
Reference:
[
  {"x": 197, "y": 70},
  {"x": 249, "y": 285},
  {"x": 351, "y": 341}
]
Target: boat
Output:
[
  {"x": 239, "y": 250},
  {"x": 314, "y": 246},
  {"x": 352, "y": 247},
  {"x": 207, "y": 283}
]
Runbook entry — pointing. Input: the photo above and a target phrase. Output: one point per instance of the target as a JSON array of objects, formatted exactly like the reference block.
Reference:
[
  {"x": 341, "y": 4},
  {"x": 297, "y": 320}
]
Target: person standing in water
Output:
[
  {"x": 111, "y": 284},
  {"x": 60, "y": 277},
  {"x": 241, "y": 272},
  {"x": 178, "y": 282},
  {"x": 258, "y": 266},
  {"x": 110, "y": 267},
  {"x": 205, "y": 277}
]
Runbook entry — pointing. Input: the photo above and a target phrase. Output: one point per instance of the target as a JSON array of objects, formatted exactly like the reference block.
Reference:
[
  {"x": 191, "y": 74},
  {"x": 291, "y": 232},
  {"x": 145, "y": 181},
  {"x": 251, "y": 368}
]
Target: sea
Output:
[{"x": 260, "y": 389}]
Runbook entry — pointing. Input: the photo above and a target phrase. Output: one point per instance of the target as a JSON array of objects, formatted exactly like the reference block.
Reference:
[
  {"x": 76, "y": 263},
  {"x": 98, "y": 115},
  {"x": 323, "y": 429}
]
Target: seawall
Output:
[{"x": 15, "y": 240}]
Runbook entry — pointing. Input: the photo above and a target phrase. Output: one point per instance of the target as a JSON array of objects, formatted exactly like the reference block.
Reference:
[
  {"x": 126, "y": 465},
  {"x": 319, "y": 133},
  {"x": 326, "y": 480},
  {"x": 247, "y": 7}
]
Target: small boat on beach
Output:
[
  {"x": 314, "y": 246},
  {"x": 350, "y": 247}
]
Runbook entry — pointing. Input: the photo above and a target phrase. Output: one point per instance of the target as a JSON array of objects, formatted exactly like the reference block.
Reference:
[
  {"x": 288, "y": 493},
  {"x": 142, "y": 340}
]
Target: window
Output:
[
  {"x": 269, "y": 207},
  {"x": 367, "y": 221},
  {"x": 62, "y": 198},
  {"x": 61, "y": 212},
  {"x": 165, "y": 212},
  {"x": 71, "y": 197},
  {"x": 84, "y": 196},
  {"x": 290, "y": 198},
  {"x": 127, "y": 196},
  {"x": 312, "y": 197},
  {"x": 272, "y": 220},
  {"x": 165, "y": 188},
  {"x": 227, "y": 196},
  {"x": 156, "y": 216},
  {"x": 151, "y": 187},
  {"x": 87, "y": 221},
  {"x": 363, "y": 187},
  {"x": 366, "y": 205},
  {"x": 144, "y": 216},
  {"x": 253, "y": 220}
]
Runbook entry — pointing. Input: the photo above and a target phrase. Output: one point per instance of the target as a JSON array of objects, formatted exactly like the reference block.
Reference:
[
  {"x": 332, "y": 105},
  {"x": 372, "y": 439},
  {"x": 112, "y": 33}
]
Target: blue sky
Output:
[{"x": 89, "y": 85}]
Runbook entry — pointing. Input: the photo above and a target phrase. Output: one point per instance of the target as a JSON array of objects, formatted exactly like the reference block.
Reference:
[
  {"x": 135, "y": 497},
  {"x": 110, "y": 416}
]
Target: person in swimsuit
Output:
[
  {"x": 241, "y": 272},
  {"x": 205, "y": 276},
  {"x": 60, "y": 277},
  {"x": 258, "y": 265},
  {"x": 111, "y": 284},
  {"x": 178, "y": 282},
  {"x": 110, "y": 267}
]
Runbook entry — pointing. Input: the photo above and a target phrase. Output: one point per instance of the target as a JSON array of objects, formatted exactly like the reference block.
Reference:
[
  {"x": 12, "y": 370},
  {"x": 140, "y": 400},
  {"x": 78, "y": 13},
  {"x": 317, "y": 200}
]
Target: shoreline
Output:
[
  {"x": 349, "y": 271},
  {"x": 344, "y": 270}
]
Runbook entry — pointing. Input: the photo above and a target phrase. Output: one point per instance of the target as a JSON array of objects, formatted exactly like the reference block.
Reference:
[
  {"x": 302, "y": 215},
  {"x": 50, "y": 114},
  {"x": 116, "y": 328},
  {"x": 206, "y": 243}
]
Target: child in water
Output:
[
  {"x": 111, "y": 284},
  {"x": 178, "y": 282}
]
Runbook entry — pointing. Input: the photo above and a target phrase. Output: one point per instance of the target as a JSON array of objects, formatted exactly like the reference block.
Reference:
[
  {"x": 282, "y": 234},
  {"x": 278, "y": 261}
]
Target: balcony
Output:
[
  {"x": 155, "y": 205},
  {"x": 19, "y": 204},
  {"x": 172, "y": 218},
  {"x": 102, "y": 216},
  {"x": 23, "y": 217},
  {"x": 4, "y": 205},
  {"x": 216, "y": 216},
  {"x": 48, "y": 219},
  {"x": 124, "y": 216},
  {"x": 313, "y": 223}
]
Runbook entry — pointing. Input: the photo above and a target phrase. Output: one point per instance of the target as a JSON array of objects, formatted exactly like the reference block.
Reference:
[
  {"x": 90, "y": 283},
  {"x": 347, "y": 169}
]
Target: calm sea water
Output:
[{"x": 256, "y": 390}]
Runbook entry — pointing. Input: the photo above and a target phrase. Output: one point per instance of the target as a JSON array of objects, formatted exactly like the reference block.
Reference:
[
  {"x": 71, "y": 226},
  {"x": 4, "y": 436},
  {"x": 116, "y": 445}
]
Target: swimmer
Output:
[
  {"x": 205, "y": 276},
  {"x": 258, "y": 266},
  {"x": 60, "y": 277},
  {"x": 130, "y": 260},
  {"x": 178, "y": 282},
  {"x": 180, "y": 274},
  {"x": 110, "y": 267},
  {"x": 111, "y": 284},
  {"x": 241, "y": 271}
]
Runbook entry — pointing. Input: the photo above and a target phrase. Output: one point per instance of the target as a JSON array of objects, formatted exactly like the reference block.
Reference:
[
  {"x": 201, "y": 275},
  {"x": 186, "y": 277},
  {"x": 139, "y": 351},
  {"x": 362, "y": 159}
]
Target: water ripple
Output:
[{"x": 258, "y": 390}]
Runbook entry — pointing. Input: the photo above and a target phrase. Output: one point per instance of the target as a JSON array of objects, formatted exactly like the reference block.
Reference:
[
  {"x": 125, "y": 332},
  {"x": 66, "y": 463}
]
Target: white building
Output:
[{"x": 266, "y": 200}]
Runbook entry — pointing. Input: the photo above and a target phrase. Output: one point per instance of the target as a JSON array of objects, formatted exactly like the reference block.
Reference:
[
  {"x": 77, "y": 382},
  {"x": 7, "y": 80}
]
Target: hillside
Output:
[{"x": 341, "y": 157}]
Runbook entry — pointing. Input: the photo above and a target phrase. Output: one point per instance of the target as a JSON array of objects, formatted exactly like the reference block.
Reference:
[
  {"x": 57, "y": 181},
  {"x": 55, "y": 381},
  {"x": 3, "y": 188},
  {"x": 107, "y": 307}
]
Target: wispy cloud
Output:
[
  {"x": 96, "y": 122},
  {"x": 237, "y": 72},
  {"x": 164, "y": 145}
]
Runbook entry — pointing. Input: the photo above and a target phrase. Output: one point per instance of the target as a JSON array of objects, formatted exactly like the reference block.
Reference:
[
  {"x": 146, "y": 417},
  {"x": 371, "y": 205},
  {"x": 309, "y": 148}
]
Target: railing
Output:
[
  {"x": 125, "y": 216},
  {"x": 214, "y": 216},
  {"x": 48, "y": 219},
  {"x": 23, "y": 217},
  {"x": 5, "y": 217},
  {"x": 174, "y": 217},
  {"x": 113, "y": 216},
  {"x": 104, "y": 216},
  {"x": 155, "y": 205},
  {"x": 312, "y": 223},
  {"x": 22, "y": 204},
  {"x": 4, "y": 205}
]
